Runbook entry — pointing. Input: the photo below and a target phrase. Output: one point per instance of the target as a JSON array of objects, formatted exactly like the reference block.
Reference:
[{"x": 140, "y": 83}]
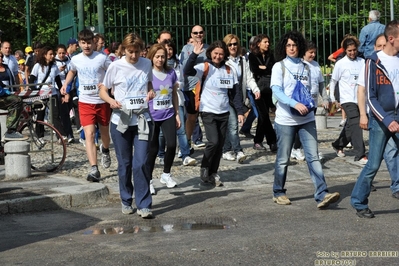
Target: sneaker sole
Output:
[
  {"x": 127, "y": 212},
  {"x": 190, "y": 163},
  {"x": 93, "y": 179},
  {"x": 145, "y": 216},
  {"x": 14, "y": 139},
  {"x": 242, "y": 159},
  {"x": 165, "y": 183},
  {"x": 326, "y": 202},
  {"x": 229, "y": 159},
  {"x": 276, "y": 200}
]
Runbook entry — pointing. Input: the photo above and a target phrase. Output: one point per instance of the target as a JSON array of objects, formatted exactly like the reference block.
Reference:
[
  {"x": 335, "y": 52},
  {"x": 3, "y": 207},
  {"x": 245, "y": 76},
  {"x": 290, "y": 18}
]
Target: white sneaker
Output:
[
  {"x": 342, "y": 123},
  {"x": 349, "y": 146},
  {"x": 179, "y": 155},
  {"x": 297, "y": 154},
  {"x": 188, "y": 161},
  {"x": 152, "y": 189},
  {"x": 229, "y": 156},
  {"x": 161, "y": 161},
  {"x": 241, "y": 157},
  {"x": 363, "y": 160},
  {"x": 167, "y": 180},
  {"x": 83, "y": 142}
]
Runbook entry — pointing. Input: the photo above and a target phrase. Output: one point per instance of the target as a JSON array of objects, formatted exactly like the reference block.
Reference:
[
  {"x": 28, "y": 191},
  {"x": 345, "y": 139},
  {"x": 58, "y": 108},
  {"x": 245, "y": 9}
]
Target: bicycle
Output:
[{"x": 47, "y": 153}]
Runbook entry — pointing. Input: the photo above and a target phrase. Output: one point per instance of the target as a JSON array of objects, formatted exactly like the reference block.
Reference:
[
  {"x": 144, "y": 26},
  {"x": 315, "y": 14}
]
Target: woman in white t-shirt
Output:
[
  {"x": 219, "y": 85},
  {"x": 46, "y": 71},
  {"x": 346, "y": 72},
  {"x": 130, "y": 80},
  {"x": 293, "y": 117}
]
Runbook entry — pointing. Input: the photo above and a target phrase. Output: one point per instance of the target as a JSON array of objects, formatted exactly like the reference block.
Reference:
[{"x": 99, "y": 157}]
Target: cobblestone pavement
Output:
[{"x": 257, "y": 162}]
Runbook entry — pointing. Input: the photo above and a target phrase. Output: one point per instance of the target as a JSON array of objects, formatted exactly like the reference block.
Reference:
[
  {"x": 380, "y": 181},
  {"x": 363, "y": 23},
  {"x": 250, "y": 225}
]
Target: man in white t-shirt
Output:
[
  {"x": 90, "y": 67},
  {"x": 381, "y": 82}
]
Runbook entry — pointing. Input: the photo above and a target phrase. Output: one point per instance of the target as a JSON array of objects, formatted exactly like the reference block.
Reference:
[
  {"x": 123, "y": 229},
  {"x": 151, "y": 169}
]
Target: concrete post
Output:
[
  {"x": 17, "y": 160},
  {"x": 321, "y": 118}
]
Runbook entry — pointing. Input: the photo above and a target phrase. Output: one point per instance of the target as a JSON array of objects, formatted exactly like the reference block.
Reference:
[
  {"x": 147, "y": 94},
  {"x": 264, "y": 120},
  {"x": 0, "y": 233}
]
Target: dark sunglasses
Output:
[
  {"x": 232, "y": 44},
  {"x": 197, "y": 32}
]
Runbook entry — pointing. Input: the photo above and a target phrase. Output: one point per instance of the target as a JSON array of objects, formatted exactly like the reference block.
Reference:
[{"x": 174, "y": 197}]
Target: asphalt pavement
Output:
[{"x": 58, "y": 220}]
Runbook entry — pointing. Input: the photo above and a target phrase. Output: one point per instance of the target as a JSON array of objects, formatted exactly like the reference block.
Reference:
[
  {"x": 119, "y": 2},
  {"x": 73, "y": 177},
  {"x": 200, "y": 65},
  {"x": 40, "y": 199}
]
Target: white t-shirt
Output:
[
  {"x": 40, "y": 72},
  {"x": 316, "y": 79},
  {"x": 214, "y": 97},
  {"x": 128, "y": 81},
  {"x": 346, "y": 72},
  {"x": 91, "y": 71},
  {"x": 288, "y": 82}
]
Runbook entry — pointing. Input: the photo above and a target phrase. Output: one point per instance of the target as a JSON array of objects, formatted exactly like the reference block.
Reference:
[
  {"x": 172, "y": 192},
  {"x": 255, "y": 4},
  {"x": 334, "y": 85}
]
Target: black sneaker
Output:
[
  {"x": 365, "y": 213},
  {"x": 94, "y": 175}
]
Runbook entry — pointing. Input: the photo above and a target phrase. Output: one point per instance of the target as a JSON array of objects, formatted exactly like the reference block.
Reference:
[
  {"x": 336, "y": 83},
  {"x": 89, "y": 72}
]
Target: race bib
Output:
[
  {"x": 163, "y": 100},
  {"x": 225, "y": 83},
  {"x": 136, "y": 101},
  {"x": 88, "y": 86},
  {"x": 88, "y": 89}
]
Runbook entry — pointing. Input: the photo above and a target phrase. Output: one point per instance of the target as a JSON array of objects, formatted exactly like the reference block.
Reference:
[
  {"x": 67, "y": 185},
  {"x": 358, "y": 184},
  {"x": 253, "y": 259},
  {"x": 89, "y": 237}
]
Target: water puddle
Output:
[{"x": 152, "y": 226}]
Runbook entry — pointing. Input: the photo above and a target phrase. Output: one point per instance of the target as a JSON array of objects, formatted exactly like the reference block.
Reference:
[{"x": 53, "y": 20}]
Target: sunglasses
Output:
[
  {"x": 232, "y": 44},
  {"x": 197, "y": 32}
]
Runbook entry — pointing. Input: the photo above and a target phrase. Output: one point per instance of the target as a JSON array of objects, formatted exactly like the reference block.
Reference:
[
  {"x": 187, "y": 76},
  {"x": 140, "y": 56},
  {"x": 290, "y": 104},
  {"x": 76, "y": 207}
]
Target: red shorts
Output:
[{"x": 91, "y": 114}]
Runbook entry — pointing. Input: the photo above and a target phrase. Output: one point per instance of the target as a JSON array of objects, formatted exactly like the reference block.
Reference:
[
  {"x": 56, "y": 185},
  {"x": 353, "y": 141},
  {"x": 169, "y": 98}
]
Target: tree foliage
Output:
[{"x": 44, "y": 22}]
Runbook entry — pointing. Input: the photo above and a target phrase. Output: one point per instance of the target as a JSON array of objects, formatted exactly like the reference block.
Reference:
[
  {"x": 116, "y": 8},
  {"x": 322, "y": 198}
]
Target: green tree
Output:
[{"x": 44, "y": 22}]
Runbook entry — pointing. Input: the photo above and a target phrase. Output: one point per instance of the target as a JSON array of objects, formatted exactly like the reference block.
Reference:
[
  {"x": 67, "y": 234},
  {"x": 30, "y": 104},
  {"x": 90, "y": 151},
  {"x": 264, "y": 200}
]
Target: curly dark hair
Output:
[
  {"x": 297, "y": 38},
  {"x": 213, "y": 46},
  {"x": 255, "y": 48}
]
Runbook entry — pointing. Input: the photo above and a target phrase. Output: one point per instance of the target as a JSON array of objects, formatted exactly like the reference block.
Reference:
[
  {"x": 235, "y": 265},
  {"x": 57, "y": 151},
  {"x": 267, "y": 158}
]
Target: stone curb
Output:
[{"x": 65, "y": 197}]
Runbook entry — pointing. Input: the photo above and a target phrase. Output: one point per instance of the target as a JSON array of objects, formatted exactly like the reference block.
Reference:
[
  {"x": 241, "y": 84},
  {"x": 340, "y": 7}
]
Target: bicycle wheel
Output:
[{"x": 47, "y": 154}]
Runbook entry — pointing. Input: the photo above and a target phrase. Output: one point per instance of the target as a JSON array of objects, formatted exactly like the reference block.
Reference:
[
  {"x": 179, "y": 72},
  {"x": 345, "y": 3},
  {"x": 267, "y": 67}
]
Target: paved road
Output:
[{"x": 237, "y": 224}]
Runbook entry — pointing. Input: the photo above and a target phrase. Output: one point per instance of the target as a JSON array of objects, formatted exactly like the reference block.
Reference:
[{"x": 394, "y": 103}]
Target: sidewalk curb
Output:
[{"x": 81, "y": 195}]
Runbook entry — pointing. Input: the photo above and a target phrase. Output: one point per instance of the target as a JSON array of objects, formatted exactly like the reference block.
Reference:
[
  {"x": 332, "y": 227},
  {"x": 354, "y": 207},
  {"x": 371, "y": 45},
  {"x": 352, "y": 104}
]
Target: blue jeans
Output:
[
  {"x": 232, "y": 141},
  {"x": 129, "y": 163},
  {"x": 378, "y": 138},
  {"x": 391, "y": 160},
  {"x": 285, "y": 140},
  {"x": 246, "y": 127},
  {"x": 181, "y": 134}
]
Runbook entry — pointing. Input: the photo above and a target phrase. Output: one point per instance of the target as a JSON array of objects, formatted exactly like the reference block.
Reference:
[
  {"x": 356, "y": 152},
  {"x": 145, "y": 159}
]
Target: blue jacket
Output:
[
  {"x": 380, "y": 92},
  {"x": 367, "y": 37}
]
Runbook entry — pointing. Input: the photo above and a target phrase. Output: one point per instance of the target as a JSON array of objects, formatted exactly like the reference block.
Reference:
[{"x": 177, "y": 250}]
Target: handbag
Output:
[{"x": 302, "y": 95}]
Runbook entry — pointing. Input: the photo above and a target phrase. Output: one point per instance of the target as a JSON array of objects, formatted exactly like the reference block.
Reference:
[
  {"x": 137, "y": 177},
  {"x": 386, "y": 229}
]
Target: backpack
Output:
[{"x": 199, "y": 85}]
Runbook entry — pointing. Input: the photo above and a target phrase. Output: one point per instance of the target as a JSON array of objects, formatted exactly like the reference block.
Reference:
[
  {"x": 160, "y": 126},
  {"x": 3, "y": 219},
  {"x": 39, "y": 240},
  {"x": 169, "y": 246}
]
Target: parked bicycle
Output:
[{"x": 47, "y": 153}]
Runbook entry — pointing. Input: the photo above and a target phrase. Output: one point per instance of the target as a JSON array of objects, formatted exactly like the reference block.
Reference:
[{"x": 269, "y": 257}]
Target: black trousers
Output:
[
  {"x": 264, "y": 127},
  {"x": 351, "y": 131},
  {"x": 215, "y": 129}
]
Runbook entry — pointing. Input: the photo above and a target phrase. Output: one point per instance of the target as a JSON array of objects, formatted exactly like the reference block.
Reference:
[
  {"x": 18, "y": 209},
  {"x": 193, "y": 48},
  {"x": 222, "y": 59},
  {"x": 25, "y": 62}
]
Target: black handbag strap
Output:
[{"x": 47, "y": 74}]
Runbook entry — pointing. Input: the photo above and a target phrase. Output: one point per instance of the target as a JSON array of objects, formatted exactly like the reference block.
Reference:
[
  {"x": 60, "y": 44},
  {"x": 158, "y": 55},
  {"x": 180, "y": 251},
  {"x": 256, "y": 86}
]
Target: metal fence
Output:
[{"x": 323, "y": 21}]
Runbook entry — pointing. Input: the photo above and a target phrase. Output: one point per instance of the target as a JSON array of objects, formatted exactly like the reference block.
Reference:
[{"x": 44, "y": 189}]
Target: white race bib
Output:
[
  {"x": 163, "y": 100},
  {"x": 225, "y": 83},
  {"x": 136, "y": 101},
  {"x": 88, "y": 89}
]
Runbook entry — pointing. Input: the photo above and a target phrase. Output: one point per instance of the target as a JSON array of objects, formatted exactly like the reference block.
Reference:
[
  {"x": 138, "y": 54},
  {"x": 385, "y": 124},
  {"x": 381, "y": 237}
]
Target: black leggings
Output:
[{"x": 169, "y": 131}]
